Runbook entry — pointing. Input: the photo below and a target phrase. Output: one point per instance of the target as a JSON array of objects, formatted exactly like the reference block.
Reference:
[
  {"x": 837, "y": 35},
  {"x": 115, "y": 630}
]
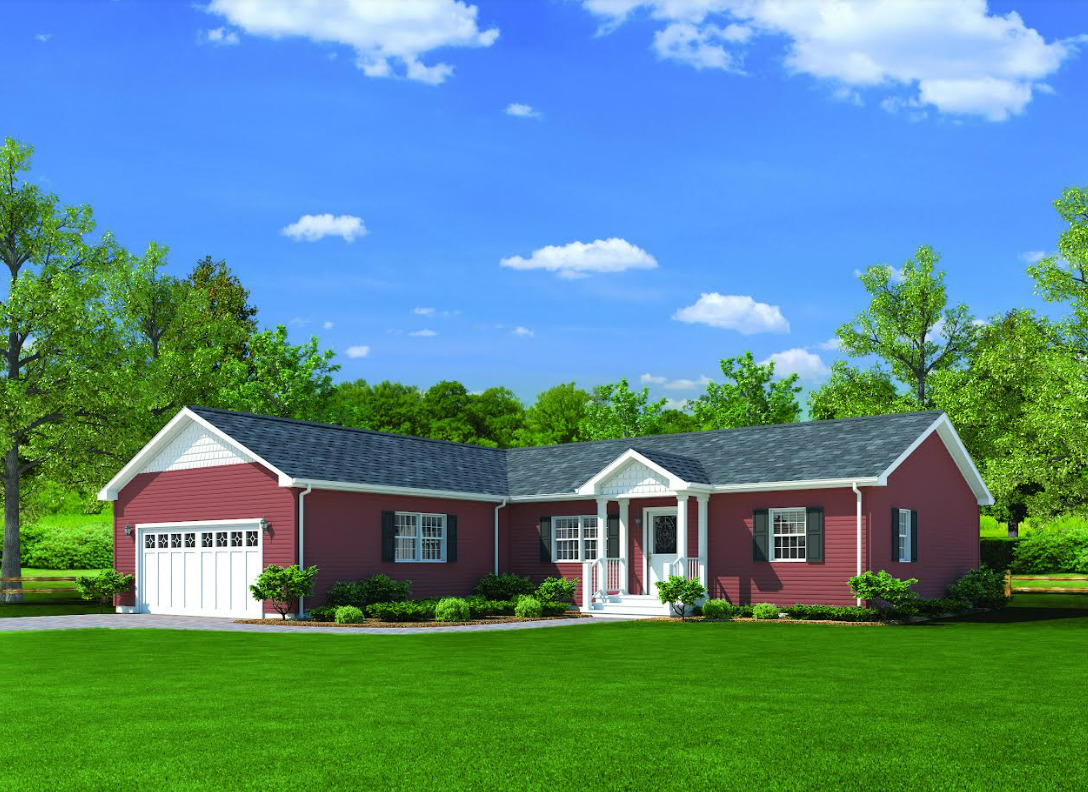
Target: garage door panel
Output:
[{"x": 207, "y": 581}]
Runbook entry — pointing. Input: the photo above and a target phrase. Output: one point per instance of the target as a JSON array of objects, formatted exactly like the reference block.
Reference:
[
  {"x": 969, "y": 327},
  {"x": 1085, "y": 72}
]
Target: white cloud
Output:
[
  {"x": 220, "y": 37},
  {"x": 1033, "y": 256},
  {"x": 676, "y": 404},
  {"x": 578, "y": 259},
  {"x": 327, "y": 325},
  {"x": 525, "y": 332},
  {"x": 360, "y": 351},
  {"x": 43, "y": 37},
  {"x": 388, "y": 38},
  {"x": 519, "y": 110},
  {"x": 674, "y": 384},
  {"x": 298, "y": 321},
  {"x": 894, "y": 273},
  {"x": 832, "y": 344},
  {"x": 956, "y": 57},
  {"x": 425, "y": 333},
  {"x": 806, "y": 365},
  {"x": 310, "y": 228},
  {"x": 734, "y": 312},
  {"x": 423, "y": 311}
]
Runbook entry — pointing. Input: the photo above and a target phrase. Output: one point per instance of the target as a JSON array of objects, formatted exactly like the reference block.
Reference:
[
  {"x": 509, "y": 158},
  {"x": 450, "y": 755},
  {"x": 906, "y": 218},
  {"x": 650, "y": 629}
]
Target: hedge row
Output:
[
  {"x": 424, "y": 609},
  {"x": 84, "y": 544}
]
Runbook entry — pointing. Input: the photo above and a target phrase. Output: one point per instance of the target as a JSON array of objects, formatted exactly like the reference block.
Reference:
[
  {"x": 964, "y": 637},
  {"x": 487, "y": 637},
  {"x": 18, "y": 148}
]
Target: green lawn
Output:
[
  {"x": 44, "y": 603},
  {"x": 651, "y": 705}
]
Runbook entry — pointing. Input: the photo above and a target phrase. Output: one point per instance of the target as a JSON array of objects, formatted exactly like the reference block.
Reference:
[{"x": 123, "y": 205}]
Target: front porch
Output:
[{"x": 648, "y": 541}]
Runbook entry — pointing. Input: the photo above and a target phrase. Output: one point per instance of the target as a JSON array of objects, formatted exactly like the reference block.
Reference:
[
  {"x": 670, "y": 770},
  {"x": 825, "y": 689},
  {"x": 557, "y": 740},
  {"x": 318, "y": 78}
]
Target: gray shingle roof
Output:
[{"x": 840, "y": 449}]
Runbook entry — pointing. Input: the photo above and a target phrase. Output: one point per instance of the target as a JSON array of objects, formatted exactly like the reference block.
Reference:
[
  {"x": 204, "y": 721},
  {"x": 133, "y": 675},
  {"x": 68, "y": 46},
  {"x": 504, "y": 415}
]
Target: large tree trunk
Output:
[{"x": 11, "y": 565}]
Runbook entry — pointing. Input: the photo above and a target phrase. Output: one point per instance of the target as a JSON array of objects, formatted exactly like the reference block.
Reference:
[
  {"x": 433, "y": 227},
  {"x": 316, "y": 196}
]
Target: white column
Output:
[
  {"x": 602, "y": 545},
  {"x": 587, "y": 594},
  {"x": 682, "y": 529},
  {"x": 625, "y": 514},
  {"x": 703, "y": 501}
]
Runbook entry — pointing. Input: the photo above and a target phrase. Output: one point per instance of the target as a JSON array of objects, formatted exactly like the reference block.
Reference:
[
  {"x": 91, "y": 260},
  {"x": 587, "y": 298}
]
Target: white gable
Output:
[
  {"x": 195, "y": 447},
  {"x": 634, "y": 478}
]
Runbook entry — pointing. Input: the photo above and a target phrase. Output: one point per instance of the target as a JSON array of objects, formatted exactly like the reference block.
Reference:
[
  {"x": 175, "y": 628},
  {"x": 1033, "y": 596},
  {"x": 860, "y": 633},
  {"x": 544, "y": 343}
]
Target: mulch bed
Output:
[
  {"x": 749, "y": 620},
  {"x": 391, "y": 625}
]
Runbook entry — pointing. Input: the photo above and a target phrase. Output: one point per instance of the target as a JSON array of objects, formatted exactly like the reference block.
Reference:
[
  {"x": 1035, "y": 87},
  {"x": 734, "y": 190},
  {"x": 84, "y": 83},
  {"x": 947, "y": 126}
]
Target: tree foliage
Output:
[
  {"x": 615, "y": 410},
  {"x": 750, "y": 396},
  {"x": 851, "y": 392},
  {"x": 555, "y": 416},
  {"x": 283, "y": 585}
]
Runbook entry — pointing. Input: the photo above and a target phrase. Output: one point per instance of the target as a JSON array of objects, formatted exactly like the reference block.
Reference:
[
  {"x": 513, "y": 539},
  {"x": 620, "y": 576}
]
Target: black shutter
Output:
[
  {"x": 760, "y": 535},
  {"x": 913, "y": 535},
  {"x": 546, "y": 539},
  {"x": 389, "y": 534},
  {"x": 895, "y": 534},
  {"x": 612, "y": 549},
  {"x": 451, "y": 537},
  {"x": 814, "y": 534}
]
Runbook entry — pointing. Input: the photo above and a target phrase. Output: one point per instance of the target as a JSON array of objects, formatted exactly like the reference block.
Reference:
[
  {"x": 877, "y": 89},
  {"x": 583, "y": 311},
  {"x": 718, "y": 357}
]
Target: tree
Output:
[
  {"x": 908, "y": 323},
  {"x": 616, "y": 411},
  {"x": 283, "y": 585},
  {"x": 751, "y": 396},
  {"x": 676, "y": 421},
  {"x": 555, "y": 416},
  {"x": 278, "y": 377},
  {"x": 497, "y": 417},
  {"x": 59, "y": 345},
  {"x": 227, "y": 299},
  {"x": 680, "y": 594},
  {"x": 1064, "y": 277},
  {"x": 445, "y": 405},
  {"x": 851, "y": 392},
  {"x": 385, "y": 407}
]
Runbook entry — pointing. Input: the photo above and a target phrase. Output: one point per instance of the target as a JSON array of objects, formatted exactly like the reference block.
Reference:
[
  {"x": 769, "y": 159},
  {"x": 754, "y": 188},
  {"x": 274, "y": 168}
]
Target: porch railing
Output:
[{"x": 690, "y": 568}]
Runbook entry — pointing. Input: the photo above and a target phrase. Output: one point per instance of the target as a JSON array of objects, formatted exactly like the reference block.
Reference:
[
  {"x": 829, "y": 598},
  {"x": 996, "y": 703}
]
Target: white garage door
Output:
[{"x": 199, "y": 570}]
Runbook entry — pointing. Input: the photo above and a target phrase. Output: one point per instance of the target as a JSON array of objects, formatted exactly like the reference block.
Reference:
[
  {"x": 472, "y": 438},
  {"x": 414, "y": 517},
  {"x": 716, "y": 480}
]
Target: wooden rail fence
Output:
[
  {"x": 1033, "y": 589},
  {"x": 36, "y": 589}
]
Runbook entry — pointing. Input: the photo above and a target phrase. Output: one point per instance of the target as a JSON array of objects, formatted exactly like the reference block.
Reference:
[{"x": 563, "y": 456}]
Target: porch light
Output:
[
  {"x": 638, "y": 521},
  {"x": 128, "y": 530},
  {"x": 264, "y": 525}
]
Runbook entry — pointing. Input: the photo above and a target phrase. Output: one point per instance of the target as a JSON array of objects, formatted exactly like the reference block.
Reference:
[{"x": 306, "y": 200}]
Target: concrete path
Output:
[{"x": 123, "y": 621}]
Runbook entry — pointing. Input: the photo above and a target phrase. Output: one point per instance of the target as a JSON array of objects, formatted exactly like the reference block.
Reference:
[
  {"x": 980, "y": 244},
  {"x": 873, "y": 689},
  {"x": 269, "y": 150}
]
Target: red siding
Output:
[
  {"x": 930, "y": 483},
  {"x": 213, "y": 493},
  {"x": 344, "y": 534}
]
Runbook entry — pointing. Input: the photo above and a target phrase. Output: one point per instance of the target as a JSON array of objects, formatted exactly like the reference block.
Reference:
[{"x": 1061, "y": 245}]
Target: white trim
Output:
[
  {"x": 590, "y": 488},
  {"x": 899, "y": 537},
  {"x": 419, "y": 538},
  {"x": 162, "y": 438},
  {"x": 770, "y": 535},
  {"x": 648, "y": 515},
  {"x": 956, "y": 449},
  {"x": 198, "y": 523},
  {"x": 382, "y": 489},
  {"x": 803, "y": 484},
  {"x": 581, "y": 539}
]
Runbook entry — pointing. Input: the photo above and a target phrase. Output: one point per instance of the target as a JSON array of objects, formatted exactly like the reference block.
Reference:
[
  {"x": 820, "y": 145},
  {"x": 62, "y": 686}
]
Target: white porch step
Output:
[{"x": 629, "y": 605}]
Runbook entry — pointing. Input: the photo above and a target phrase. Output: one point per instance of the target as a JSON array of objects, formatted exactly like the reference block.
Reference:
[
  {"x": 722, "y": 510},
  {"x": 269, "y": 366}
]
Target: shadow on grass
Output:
[{"x": 1026, "y": 608}]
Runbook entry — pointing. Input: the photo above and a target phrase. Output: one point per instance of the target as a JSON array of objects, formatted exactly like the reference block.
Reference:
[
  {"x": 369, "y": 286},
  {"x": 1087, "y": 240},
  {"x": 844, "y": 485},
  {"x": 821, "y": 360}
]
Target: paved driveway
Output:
[{"x": 122, "y": 621}]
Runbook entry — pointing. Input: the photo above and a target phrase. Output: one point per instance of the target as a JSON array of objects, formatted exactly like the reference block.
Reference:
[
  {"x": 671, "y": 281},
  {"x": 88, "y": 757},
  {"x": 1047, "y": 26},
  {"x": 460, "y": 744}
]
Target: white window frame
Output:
[
  {"x": 583, "y": 525},
  {"x": 771, "y": 555},
  {"x": 905, "y": 538},
  {"x": 417, "y": 557}
]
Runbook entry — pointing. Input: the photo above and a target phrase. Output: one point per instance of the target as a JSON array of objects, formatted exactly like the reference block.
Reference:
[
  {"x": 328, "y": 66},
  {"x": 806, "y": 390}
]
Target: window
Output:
[
  {"x": 206, "y": 539},
  {"x": 190, "y": 540},
  {"x": 163, "y": 539},
  {"x": 220, "y": 538},
  {"x": 149, "y": 541},
  {"x": 903, "y": 550},
  {"x": 419, "y": 537},
  {"x": 574, "y": 538},
  {"x": 251, "y": 538},
  {"x": 787, "y": 534}
]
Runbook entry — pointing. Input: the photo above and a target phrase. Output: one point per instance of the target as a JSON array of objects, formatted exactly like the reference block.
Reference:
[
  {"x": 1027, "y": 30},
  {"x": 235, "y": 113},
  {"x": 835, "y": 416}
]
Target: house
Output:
[{"x": 782, "y": 514}]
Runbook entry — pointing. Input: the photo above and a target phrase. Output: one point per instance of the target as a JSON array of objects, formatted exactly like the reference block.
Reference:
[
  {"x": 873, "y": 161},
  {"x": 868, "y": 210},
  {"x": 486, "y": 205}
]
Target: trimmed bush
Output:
[
  {"x": 103, "y": 586},
  {"x": 982, "y": 587},
  {"x": 997, "y": 553},
  {"x": 451, "y": 609},
  {"x": 506, "y": 586},
  {"x": 480, "y": 608},
  {"x": 557, "y": 589},
  {"x": 376, "y": 588},
  {"x": 849, "y": 613},
  {"x": 680, "y": 594},
  {"x": 765, "y": 610},
  {"x": 939, "y": 607},
  {"x": 1050, "y": 551},
  {"x": 555, "y": 608},
  {"x": 66, "y": 541},
  {"x": 322, "y": 613},
  {"x": 410, "y": 611},
  {"x": 883, "y": 587},
  {"x": 283, "y": 585},
  {"x": 717, "y": 609},
  {"x": 528, "y": 608},
  {"x": 743, "y": 611},
  {"x": 348, "y": 614}
]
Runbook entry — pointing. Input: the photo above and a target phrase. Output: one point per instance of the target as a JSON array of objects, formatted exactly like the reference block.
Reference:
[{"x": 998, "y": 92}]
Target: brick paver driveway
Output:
[{"x": 122, "y": 621}]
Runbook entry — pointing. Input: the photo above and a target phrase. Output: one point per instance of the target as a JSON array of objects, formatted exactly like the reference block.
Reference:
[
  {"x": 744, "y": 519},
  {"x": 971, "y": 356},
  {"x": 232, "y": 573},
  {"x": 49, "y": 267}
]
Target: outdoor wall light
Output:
[
  {"x": 638, "y": 521},
  {"x": 264, "y": 525},
  {"x": 128, "y": 530}
]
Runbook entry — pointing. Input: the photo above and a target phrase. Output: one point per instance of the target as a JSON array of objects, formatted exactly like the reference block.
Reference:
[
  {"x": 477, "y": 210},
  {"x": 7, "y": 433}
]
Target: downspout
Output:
[
  {"x": 497, "y": 535},
  {"x": 857, "y": 492},
  {"x": 302, "y": 537}
]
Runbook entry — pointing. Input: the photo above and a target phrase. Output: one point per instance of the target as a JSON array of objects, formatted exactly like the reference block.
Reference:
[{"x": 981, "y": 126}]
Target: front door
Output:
[{"x": 662, "y": 543}]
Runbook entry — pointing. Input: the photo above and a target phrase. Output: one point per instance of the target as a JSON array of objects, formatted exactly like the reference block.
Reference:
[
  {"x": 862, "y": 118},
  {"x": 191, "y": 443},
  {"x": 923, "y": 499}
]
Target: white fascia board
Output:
[
  {"x": 381, "y": 489},
  {"x": 589, "y": 488},
  {"x": 164, "y": 436},
  {"x": 956, "y": 449},
  {"x": 804, "y": 484},
  {"x": 694, "y": 489},
  {"x": 198, "y": 524}
]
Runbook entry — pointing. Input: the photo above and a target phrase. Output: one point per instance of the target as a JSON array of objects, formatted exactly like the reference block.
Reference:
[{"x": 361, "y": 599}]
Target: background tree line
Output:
[{"x": 99, "y": 347}]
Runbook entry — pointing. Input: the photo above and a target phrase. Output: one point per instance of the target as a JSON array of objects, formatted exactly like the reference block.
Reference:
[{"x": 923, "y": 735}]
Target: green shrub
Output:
[
  {"x": 68, "y": 541},
  {"x": 506, "y": 586},
  {"x": 743, "y": 611},
  {"x": 528, "y": 608},
  {"x": 717, "y": 609},
  {"x": 1056, "y": 550},
  {"x": 480, "y": 608},
  {"x": 939, "y": 607},
  {"x": 348, "y": 614},
  {"x": 556, "y": 589},
  {"x": 765, "y": 610},
  {"x": 882, "y": 586},
  {"x": 555, "y": 608},
  {"x": 848, "y": 613},
  {"x": 323, "y": 613},
  {"x": 997, "y": 553},
  {"x": 982, "y": 587},
  {"x": 680, "y": 594},
  {"x": 451, "y": 609},
  {"x": 410, "y": 611},
  {"x": 103, "y": 586},
  {"x": 376, "y": 588},
  {"x": 281, "y": 585}
]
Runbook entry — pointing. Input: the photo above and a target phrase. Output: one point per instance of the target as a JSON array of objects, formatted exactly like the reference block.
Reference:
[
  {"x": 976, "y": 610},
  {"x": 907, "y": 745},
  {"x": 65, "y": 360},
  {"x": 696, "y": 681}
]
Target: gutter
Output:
[
  {"x": 497, "y": 535},
  {"x": 302, "y": 537},
  {"x": 857, "y": 492}
]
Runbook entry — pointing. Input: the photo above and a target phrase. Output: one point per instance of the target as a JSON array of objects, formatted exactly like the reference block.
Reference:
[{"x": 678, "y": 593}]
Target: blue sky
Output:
[{"x": 757, "y": 151}]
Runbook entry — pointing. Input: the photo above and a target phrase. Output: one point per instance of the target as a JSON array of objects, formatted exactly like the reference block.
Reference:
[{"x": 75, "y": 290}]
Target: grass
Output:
[
  {"x": 632, "y": 705},
  {"x": 39, "y": 601}
]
